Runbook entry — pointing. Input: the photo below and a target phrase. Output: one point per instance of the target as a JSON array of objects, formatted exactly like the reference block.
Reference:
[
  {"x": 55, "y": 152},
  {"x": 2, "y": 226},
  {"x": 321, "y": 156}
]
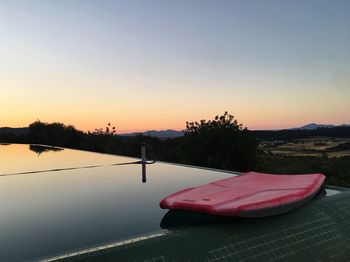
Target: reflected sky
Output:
[
  {"x": 51, "y": 213},
  {"x": 25, "y": 158}
]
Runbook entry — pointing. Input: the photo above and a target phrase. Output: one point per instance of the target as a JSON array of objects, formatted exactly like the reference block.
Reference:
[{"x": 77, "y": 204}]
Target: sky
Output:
[{"x": 151, "y": 64}]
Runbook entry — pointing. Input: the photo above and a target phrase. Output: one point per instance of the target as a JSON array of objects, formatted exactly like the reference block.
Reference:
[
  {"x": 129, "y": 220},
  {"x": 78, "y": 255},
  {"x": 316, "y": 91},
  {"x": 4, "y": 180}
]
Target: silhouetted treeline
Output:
[
  {"x": 290, "y": 134},
  {"x": 218, "y": 143}
]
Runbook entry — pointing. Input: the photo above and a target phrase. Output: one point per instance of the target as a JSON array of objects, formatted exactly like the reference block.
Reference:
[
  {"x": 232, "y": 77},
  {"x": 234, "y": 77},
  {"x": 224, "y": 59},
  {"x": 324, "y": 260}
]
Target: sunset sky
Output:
[{"x": 156, "y": 64}]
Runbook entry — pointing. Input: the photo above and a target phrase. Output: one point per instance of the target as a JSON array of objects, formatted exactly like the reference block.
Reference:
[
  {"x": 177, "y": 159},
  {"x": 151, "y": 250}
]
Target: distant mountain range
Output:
[
  {"x": 170, "y": 133},
  {"x": 174, "y": 133},
  {"x": 16, "y": 131},
  {"x": 314, "y": 126}
]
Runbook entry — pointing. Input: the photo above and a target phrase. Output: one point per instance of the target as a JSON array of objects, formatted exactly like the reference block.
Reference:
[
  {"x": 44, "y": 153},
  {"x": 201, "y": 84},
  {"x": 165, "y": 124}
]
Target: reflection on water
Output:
[
  {"x": 51, "y": 213},
  {"x": 144, "y": 179},
  {"x": 18, "y": 158},
  {"x": 179, "y": 218},
  {"x": 42, "y": 149}
]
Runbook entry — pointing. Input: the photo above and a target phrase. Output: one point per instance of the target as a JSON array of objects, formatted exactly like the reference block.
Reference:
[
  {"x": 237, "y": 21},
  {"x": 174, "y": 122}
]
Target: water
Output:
[{"x": 51, "y": 213}]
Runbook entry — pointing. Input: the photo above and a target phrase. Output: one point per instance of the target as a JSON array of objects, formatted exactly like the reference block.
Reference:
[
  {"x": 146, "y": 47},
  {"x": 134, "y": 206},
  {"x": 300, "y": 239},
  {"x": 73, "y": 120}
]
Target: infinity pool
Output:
[
  {"x": 70, "y": 205},
  {"x": 55, "y": 201}
]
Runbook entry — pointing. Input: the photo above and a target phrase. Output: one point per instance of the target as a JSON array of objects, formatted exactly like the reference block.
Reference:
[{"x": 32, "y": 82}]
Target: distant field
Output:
[{"x": 316, "y": 146}]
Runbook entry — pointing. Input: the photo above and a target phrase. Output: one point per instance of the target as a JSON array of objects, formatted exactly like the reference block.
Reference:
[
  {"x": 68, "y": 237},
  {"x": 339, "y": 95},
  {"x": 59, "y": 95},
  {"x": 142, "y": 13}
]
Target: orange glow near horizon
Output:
[
  {"x": 128, "y": 124},
  {"x": 254, "y": 107},
  {"x": 159, "y": 71}
]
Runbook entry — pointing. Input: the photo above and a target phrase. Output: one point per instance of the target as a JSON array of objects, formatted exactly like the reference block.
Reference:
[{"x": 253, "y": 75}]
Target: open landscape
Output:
[{"x": 315, "y": 146}]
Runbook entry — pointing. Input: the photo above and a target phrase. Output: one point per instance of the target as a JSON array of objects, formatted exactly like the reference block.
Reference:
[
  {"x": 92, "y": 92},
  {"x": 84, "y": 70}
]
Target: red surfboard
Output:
[{"x": 248, "y": 195}]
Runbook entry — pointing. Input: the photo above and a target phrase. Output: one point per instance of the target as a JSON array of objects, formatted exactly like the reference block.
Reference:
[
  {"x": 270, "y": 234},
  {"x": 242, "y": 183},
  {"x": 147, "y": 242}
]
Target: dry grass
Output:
[{"x": 316, "y": 146}]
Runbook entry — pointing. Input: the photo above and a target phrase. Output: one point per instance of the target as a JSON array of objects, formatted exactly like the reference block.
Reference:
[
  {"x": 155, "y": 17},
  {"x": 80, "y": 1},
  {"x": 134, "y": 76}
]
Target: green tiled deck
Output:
[{"x": 319, "y": 231}]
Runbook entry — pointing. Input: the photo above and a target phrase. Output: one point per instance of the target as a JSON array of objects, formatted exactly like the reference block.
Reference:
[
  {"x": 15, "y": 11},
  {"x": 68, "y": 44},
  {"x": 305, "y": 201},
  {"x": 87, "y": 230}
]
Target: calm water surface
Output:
[{"x": 52, "y": 213}]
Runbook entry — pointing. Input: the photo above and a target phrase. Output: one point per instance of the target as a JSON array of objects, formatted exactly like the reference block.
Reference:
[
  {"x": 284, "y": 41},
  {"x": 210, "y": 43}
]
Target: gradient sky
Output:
[{"x": 155, "y": 64}]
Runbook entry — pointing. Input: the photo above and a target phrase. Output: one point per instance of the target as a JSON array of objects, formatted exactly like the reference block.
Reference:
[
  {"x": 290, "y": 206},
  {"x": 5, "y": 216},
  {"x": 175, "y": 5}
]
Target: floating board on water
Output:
[{"x": 248, "y": 195}]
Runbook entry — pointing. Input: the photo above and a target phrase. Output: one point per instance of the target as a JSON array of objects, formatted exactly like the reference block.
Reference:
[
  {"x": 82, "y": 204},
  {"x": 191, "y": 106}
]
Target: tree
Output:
[
  {"x": 107, "y": 132},
  {"x": 55, "y": 134},
  {"x": 219, "y": 143}
]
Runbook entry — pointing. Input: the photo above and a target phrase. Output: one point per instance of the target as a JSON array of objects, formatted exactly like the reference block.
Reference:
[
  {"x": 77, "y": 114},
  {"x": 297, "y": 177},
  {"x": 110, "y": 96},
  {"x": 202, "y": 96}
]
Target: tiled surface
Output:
[{"x": 319, "y": 231}]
